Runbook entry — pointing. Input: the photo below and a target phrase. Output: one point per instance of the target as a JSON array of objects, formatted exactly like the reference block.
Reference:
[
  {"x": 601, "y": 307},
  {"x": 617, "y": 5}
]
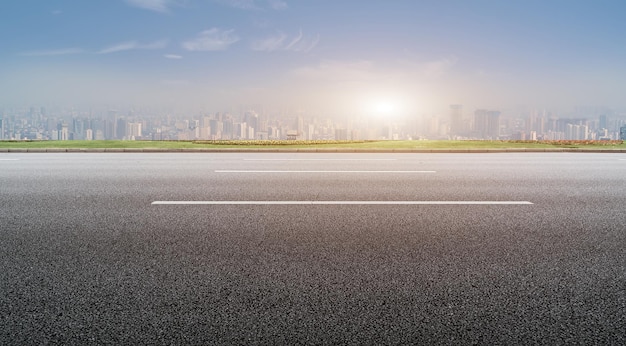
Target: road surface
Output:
[{"x": 312, "y": 248}]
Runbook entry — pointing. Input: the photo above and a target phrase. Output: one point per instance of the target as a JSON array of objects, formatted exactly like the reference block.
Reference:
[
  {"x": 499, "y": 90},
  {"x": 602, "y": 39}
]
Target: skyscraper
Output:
[
  {"x": 487, "y": 124},
  {"x": 64, "y": 133},
  {"x": 604, "y": 122},
  {"x": 622, "y": 133},
  {"x": 456, "y": 120}
]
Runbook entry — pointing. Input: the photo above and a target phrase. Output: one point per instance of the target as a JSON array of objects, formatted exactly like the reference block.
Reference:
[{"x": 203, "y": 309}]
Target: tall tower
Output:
[
  {"x": 456, "y": 120},
  {"x": 64, "y": 133},
  {"x": 480, "y": 123},
  {"x": 299, "y": 125},
  {"x": 604, "y": 122},
  {"x": 493, "y": 124},
  {"x": 487, "y": 124},
  {"x": 252, "y": 119}
]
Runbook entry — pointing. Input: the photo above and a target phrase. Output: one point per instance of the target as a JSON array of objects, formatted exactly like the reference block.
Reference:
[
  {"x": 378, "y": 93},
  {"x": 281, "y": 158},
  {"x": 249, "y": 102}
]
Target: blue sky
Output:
[{"x": 328, "y": 55}]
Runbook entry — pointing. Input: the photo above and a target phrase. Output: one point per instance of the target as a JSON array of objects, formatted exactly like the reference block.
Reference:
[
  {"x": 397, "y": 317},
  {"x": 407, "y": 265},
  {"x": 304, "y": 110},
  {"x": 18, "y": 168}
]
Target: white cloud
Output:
[
  {"x": 154, "y": 45},
  {"x": 173, "y": 56},
  {"x": 241, "y": 4},
  {"x": 119, "y": 47},
  {"x": 300, "y": 44},
  {"x": 277, "y": 42},
  {"x": 270, "y": 44},
  {"x": 277, "y": 4},
  {"x": 66, "y": 51},
  {"x": 211, "y": 40},
  {"x": 295, "y": 41},
  {"x": 57, "y": 12},
  {"x": 132, "y": 45},
  {"x": 162, "y": 6},
  {"x": 253, "y": 5}
]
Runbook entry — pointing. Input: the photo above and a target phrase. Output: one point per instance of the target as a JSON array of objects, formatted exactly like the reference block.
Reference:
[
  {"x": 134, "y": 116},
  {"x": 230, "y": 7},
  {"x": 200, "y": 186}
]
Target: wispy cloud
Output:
[
  {"x": 162, "y": 6},
  {"x": 279, "y": 42},
  {"x": 56, "y": 12},
  {"x": 66, "y": 51},
  {"x": 295, "y": 41},
  {"x": 211, "y": 40},
  {"x": 255, "y": 4},
  {"x": 132, "y": 45},
  {"x": 120, "y": 47},
  {"x": 154, "y": 45},
  {"x": 269, "y": 44},
  {"x": 241, "y": 4},
  {"x": 277, "y": 4},
  {"x": 303, "y": 44},
  {"x": 173, "y": 56}
]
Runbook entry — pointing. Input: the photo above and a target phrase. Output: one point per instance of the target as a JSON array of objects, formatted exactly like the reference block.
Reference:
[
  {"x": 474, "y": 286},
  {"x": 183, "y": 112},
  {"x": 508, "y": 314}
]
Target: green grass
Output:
[{"x": 370, "y": 145}]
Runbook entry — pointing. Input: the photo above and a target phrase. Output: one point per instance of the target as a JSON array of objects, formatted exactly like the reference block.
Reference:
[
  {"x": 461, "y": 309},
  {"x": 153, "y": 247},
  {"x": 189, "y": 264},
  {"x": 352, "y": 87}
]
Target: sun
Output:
[{"x": 384, "y": 107}]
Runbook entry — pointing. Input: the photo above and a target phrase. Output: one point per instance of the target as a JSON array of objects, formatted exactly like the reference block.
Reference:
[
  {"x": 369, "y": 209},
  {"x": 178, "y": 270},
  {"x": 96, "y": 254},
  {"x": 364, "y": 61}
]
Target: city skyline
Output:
[
  {"x": 349, "y": 57},
  {"x": 42, "y": 123}
]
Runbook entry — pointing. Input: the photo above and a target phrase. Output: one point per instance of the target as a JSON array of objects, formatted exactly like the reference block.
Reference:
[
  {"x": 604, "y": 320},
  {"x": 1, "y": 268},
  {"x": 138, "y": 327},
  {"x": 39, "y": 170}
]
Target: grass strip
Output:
[{"x": 370, "y": 145}]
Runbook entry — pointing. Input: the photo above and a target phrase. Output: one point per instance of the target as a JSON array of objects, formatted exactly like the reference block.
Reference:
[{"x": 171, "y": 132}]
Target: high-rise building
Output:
[
  {"x": 89, "y": 134},
  {"x": 487, "y": 124},
  {"x": 576, "y": 132},
  {"x": 299, "y": 125},
  {"x": 604, "y": 122},
  {"x": 456, "y": 120},
  {"x": 78, "y": 129},
  {"x": 133, "y": 130},
  {"x": 622, "y": 133},
  {"x": 120, "y": 128},
  {"x": 64, "y": 132},
  {"x": 252, "y": 119},
  {"x": 341, "y": 134}
]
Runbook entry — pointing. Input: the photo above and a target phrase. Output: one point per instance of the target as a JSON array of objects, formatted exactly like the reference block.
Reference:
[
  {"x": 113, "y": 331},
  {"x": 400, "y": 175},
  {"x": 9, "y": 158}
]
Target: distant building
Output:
[
  {"x": 487, "y": 124},
  {"x": 341, "y": 134},
  {"x": 576, "y": 132},
  {"x": 64, "y": 132},
  {"x": 622, "y": 133},
  {"x": 604, "y": 122},
  {"x": 456, "y": 120},
  {"x": 292, "y": 135}
]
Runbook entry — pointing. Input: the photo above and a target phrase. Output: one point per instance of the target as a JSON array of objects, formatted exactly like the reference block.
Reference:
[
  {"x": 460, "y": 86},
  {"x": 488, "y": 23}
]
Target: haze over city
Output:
[{"x": 337, "y": 57}]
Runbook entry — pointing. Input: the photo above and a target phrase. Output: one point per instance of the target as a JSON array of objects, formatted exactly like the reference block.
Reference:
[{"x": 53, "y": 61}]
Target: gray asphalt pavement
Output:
[{"x": 87, "y": 258}]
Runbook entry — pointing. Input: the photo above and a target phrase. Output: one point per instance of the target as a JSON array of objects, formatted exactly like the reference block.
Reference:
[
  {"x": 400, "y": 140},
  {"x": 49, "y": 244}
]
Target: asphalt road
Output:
[{"x": 87, "y": 258}]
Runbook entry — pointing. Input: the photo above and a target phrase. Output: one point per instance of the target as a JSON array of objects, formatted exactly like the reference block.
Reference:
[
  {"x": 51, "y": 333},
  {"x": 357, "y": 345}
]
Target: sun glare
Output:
[{"x": 384, "y": 107}]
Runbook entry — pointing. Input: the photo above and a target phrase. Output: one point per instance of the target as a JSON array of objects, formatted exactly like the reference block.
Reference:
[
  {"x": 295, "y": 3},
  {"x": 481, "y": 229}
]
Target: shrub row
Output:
[
  {"x": 567, "y": 142},
  {"x": 274, "y": 142}
]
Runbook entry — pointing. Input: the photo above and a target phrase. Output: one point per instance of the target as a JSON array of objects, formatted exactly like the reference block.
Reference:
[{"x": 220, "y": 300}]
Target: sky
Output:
[{"x": 342, "y": 56}]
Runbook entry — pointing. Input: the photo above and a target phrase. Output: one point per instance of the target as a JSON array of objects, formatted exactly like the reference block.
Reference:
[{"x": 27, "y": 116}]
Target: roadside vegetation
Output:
[{"x": 299, "y": 144}]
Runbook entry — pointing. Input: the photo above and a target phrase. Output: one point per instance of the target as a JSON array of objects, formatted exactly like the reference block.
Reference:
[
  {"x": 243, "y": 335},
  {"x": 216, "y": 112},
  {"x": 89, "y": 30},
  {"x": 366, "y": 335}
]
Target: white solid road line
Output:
[
  {"x": 341, "y": 203},
  {"x": 250, "y": 171},
  {"x": 320, "y": 159},
  {"x": 9, "y": 159}
]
